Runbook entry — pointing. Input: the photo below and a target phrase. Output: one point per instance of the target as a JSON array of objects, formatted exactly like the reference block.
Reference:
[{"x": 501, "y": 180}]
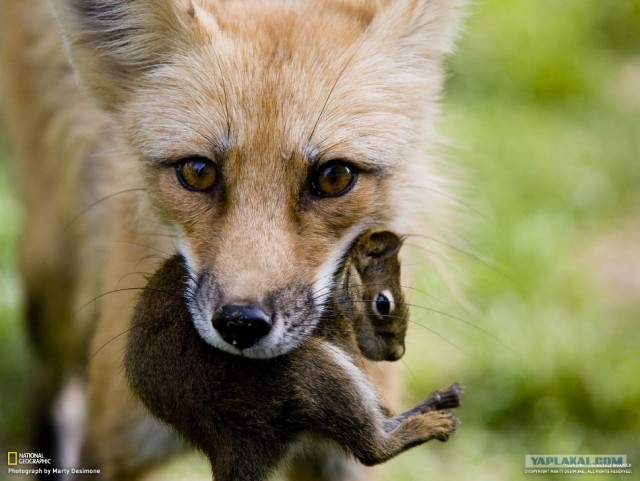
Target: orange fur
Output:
[{"x": 266, "y": 89}]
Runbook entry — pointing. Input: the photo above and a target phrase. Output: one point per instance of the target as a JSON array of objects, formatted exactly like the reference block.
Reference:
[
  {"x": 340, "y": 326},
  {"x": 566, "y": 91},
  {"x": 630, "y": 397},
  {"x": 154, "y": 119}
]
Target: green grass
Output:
[
  {"x": 14, "y": 370},
  {"x": 543, "y": 105}
]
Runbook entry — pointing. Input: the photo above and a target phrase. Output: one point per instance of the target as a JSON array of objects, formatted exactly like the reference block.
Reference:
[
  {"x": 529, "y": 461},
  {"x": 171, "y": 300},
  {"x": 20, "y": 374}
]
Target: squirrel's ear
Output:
[
  {"x": 112, "y": 43},
  {"x": 382, "y": 244},
  {"x": 422, "y": 28}
]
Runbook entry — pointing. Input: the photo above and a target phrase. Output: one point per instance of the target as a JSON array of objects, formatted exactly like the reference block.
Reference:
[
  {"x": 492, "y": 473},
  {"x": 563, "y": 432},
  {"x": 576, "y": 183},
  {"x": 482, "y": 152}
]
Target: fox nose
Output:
[{"x": 242, "y": 326}]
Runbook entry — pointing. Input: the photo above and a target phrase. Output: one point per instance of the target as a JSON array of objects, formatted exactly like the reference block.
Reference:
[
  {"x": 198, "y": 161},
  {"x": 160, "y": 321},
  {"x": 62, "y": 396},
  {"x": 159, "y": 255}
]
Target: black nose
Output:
[{"x": 242, "y": 326}]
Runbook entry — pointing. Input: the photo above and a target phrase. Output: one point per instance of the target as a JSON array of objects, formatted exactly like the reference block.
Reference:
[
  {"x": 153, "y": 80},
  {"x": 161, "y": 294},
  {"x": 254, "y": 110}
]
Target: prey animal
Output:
[{"x": 247, "y": 415}]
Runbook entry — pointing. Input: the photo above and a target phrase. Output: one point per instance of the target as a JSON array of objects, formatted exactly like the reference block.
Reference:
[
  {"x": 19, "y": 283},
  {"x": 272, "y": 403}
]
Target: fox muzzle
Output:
[{"x": 242, "y": 326}]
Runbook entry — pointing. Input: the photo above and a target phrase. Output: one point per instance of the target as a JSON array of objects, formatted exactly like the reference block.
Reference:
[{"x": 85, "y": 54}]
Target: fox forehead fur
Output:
[{"x": 270, "y": 90}]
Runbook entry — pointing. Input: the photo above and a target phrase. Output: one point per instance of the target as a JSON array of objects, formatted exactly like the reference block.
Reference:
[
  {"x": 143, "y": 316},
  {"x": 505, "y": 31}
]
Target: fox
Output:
[
  {"x": 246, "y": 414},
  {"x": 257, "y": 139}
]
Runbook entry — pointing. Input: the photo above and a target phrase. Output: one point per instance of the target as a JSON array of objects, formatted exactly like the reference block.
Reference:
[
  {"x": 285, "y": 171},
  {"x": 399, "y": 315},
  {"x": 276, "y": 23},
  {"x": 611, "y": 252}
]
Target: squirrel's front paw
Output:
[{"x": 442, "y": 424}]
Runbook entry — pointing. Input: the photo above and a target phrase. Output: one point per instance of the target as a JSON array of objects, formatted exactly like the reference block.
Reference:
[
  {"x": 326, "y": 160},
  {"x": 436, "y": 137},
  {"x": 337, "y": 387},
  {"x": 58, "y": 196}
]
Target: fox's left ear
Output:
[
  {"x": 426, "y": 28},
  {"x": 112, "y": 43}
]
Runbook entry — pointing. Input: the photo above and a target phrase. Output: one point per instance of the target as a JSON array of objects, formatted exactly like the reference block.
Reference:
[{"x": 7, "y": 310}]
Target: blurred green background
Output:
[{"x": 543, "y": 106}]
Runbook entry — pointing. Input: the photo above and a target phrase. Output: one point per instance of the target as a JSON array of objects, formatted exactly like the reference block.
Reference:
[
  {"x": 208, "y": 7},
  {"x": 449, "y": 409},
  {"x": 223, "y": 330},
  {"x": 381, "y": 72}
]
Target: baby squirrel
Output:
[
  {"x": 246, "y": 414},
  {"x": 380, "y": 324}
]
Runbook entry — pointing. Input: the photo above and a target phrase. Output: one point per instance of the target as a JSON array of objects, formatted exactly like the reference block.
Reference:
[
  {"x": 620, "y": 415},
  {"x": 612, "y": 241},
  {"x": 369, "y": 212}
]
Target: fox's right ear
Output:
[
  {"x": 112, "y": 43},
  {"x": 424, "y": 29}
]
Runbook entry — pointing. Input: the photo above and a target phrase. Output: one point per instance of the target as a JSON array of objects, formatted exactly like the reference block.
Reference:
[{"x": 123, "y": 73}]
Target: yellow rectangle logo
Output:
[{"x": 12, "y": 458}]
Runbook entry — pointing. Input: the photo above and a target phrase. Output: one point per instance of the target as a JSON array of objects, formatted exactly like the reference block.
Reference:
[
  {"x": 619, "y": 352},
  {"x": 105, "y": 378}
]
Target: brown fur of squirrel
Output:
[{"x": 245, "y": 414}]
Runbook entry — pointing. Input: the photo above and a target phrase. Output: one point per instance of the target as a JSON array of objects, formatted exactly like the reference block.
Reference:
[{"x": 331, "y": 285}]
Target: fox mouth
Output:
[
  {"x": 248, "y": 338},
  {"x": 280, "y": 324}
]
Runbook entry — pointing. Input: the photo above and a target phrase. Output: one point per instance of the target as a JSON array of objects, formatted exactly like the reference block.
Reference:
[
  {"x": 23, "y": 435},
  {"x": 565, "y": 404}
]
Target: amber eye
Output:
[
  {"x": 334, "y": 179},
  {"x": 197, "y": 173}
]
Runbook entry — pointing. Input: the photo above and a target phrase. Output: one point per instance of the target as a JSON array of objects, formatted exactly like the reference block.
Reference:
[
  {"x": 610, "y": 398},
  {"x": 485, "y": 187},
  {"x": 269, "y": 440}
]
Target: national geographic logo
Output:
[
  {"x": 37, "y": 464},
  {"x": 15, "y": 458}
]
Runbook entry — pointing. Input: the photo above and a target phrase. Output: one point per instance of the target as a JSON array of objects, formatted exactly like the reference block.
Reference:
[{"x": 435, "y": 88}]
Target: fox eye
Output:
[
  {"x": 197, "y": 173},
  {"x": 383, "y": 304},
  {"x": 334, "y": 179}
]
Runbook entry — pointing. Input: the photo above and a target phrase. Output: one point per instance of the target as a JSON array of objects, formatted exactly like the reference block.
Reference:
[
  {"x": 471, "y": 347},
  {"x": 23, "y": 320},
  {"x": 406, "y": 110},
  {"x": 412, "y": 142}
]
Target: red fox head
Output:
[{"x": 271, "y": 134}]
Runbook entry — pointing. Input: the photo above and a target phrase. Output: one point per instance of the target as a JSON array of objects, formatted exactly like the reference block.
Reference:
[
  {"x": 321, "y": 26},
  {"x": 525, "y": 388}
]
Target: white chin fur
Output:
[
  {"x": 325, "y": 278},
  {"x": 270, "y": 346},
  {"x": 273, "y": 345},
  {"x": 280, "y": 340}
]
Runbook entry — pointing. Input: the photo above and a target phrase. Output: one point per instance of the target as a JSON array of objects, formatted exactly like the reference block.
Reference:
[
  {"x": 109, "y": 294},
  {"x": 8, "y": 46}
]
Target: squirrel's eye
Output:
[
  {"x": 334, "y": 179},
  {"x": 383, "y": 304},
  {"x": 197, "y": 173}
]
